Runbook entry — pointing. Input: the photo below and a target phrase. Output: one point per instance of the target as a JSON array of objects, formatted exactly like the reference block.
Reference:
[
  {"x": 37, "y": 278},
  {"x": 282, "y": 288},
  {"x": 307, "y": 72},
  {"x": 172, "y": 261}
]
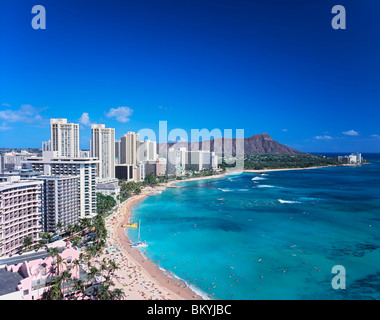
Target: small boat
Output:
[
  {"x": 139, "y": 243},
  {"x": 130, "y": 225}
]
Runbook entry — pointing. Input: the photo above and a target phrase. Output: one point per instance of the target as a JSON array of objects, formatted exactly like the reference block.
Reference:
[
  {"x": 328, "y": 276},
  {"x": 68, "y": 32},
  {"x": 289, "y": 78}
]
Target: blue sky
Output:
[{"x": 262, "y": 66}]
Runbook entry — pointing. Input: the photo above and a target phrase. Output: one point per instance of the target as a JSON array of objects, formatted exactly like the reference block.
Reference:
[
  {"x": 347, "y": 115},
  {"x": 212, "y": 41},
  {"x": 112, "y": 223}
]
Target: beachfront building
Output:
[
  {"x": 128, "y": 148},
  {"x": 64, "y": 138},
  {"x": 157, "y": 168},
  {"x": 146, "y": 151},
  {"x": 109, "y": 189},
  {"x": 160, "y": 167},
  {"x": 201, "y": 160},
  {"x": 150, "y": 167},
  {"x": 140, "y": 171},
  {"x": 103, "y": 148},
  {"x": 129, "y": 172},
  {"x": 176, "y": 161},
  {"x": 124, "y": 172},
  {"x": 20, "y": 212},
  {"x": 353, "y": 158},
  {"x": 28, "y": 280},
  {"x": 61, "y": 202},
  {"x": 85, "y": 168}
]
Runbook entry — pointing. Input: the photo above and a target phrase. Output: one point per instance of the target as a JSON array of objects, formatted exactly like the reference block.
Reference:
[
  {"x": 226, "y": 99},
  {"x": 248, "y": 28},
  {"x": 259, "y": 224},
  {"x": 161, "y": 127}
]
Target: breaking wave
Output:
[
  {"x": 266, "y": 186},
  {"x": 258, "y": 178},
  {"x": 287, "y": 201}
]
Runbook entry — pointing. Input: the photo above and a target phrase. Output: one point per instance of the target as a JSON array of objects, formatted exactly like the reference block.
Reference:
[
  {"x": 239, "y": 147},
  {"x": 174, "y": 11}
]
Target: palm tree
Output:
[
  {"x": 45, "y": 237},
  {"x": 76, "y": 263},
  {"x": 79, "y": 286},
  {"x": 104, "y": 291},
  {"x": 85, "y": 223},
  {"x": 59, "y": 227},
  {"x": 75, "y": 242},
  {"x": 76, "y": 228},
  {"x": 54, "y": 292},
  {"x": 103, "y": 265},
  {"x": 66, "y": 277},
  {"x": 118, "y": 294},
  {"x": 27, "y": 243},
  {"x": 113, "y": 266},
  {"x": 59, "y": 262},
  {"x": 91, "y": 277},
  {"x": 53, "y": 252},
  {"x": 70, "y": 229}
]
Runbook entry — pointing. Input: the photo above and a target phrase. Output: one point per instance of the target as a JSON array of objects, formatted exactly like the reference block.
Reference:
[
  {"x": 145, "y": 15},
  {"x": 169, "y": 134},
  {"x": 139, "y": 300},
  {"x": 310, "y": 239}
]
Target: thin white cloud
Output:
[
  {"x": 375, "y": 136},
  {"x": 85, "y": 119},
  {"x": 26, "y": 114},
  {"x": 351, "y": 133},
  {"x": 285, "y": 130},
  {"x": 323, "y": 137},
  {"x": 4, "y": 127},
  {"x": 164, "y": 108},
  {"x": 121, "y": 114}
]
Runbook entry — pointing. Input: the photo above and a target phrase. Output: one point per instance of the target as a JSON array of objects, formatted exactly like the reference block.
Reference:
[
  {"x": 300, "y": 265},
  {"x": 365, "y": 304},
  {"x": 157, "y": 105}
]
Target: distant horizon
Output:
[{"x": 312, "y": 152}]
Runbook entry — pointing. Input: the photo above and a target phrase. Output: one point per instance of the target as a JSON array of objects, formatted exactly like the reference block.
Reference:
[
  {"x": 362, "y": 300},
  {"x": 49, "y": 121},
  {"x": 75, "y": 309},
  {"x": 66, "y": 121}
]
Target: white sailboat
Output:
[{"x": 139, "y": 243}]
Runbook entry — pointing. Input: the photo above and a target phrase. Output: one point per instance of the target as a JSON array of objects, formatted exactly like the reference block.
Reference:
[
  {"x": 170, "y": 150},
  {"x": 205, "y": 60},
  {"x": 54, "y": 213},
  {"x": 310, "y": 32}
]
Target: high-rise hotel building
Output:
[
  {"x": 146, "y": 151},
  {"x": 83, "y": 168},
  {"x": 61, "y": 201},
  {"x": 128, "y": 148},
  {"x": 20, "y": 212},
  {"x": 103, "y": 148},
  {"x": 64, "y": 138}
]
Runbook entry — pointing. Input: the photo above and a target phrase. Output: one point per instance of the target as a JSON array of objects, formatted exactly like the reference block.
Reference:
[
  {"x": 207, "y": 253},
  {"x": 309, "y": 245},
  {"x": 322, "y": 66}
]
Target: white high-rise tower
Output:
[
  {"x": 128, "y": 148},
  {"x": 103, "y": 148},
  {"x": 64, "y": 138}
]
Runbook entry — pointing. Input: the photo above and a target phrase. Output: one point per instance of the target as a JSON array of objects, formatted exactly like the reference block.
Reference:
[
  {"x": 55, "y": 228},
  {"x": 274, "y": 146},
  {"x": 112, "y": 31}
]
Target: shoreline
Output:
[
  {"x": 217, "y": 176},
  {"x": 176, "y": 289},
  {"x": 305, "y": 168}
]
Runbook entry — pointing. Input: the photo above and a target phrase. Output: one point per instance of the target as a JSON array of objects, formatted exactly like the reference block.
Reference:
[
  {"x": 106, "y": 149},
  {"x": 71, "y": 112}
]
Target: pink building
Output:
[
  {"x": 20, "y": 212},
  {"x": 29, "y": 280}
]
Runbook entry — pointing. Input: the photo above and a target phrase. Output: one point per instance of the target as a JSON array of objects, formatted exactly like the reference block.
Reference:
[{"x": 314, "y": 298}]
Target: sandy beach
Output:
[
  {"x": 217, "y": 176},
  {"x": 140, "y": 278}
]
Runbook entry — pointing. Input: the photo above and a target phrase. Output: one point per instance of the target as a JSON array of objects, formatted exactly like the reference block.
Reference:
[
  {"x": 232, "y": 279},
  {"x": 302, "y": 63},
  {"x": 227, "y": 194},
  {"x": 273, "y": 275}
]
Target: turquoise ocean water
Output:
[{"x": 272, "y": 236}]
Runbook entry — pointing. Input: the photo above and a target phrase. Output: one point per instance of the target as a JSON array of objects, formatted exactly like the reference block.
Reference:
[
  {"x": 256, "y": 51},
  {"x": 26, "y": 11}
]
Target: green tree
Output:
[
  {"x": 59, "y": 227},
  {"x": 27, "y": 243},
  {"x": 150, "y": 179}
]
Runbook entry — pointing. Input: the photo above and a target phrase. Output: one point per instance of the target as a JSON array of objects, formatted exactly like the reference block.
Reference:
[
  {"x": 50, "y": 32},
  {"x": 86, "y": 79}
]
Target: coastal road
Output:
[{"x": 16, "y": 258}]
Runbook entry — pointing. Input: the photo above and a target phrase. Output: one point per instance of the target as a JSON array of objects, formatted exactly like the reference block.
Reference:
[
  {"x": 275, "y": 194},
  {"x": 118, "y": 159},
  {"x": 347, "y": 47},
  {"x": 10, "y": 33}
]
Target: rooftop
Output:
[{"x": 9, "y": 281}]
